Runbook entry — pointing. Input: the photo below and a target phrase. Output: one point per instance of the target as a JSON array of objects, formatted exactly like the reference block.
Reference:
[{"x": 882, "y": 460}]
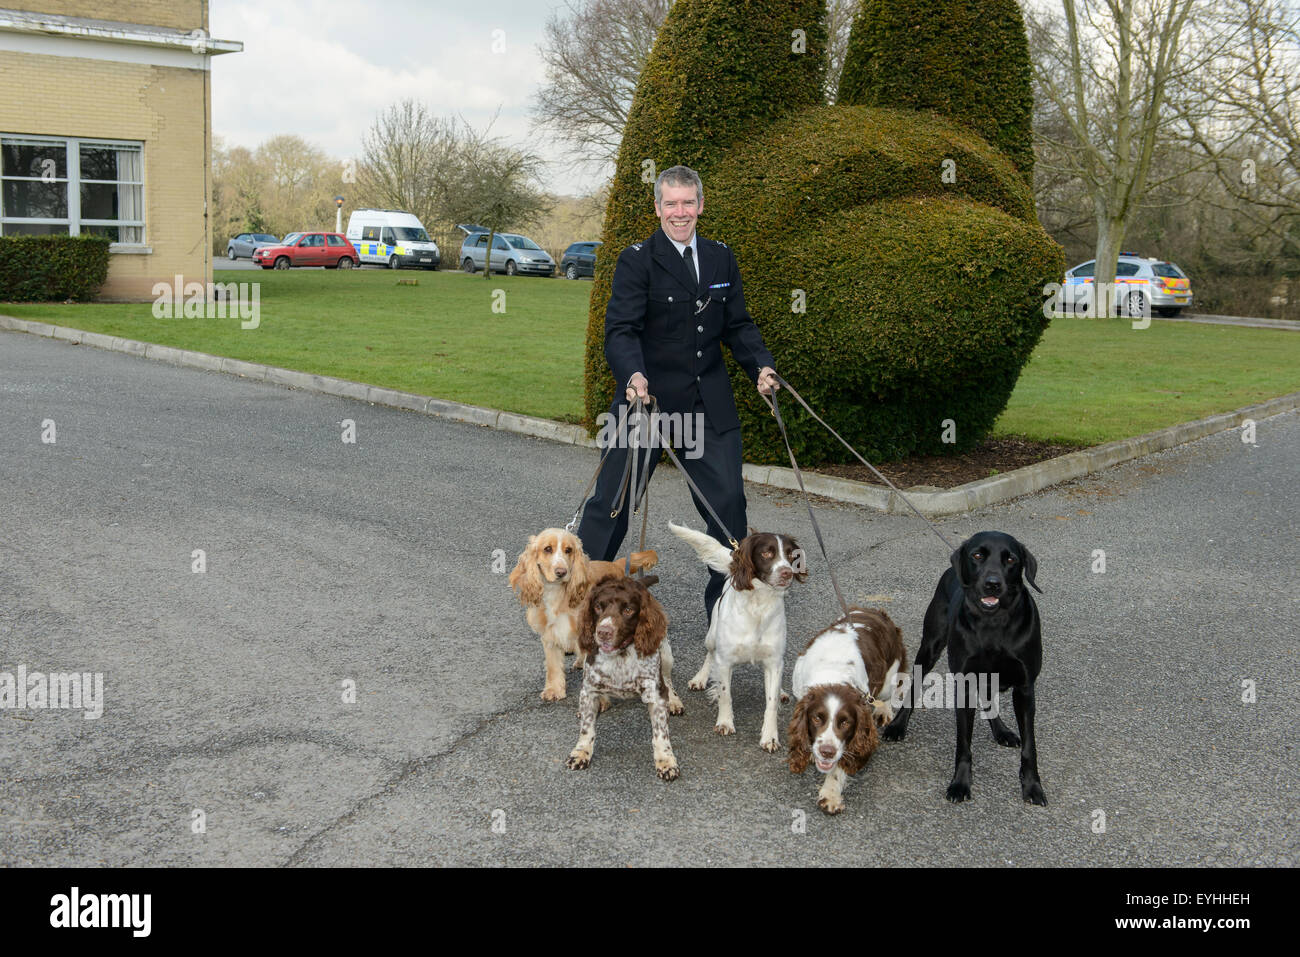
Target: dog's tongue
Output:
[{"x": 989, "y": 601}]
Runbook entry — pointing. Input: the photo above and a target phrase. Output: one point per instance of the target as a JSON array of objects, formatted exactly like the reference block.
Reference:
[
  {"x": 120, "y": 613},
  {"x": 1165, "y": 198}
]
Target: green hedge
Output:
[
  {"x": 52, "y": 268},
  {"x": 909, "y": 281},
  {"x": 924, "y": 293},
  {"x": 964, "y": 59},
  {"x": 928, "y": 314}
]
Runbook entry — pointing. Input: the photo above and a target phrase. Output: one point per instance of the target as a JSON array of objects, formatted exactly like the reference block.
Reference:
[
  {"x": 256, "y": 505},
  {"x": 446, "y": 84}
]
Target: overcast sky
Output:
[{"x": 323, "y": 69}]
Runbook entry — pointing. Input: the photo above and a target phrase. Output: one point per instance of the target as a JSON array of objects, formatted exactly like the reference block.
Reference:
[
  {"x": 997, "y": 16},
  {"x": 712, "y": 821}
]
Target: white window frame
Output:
[{"x": 74, "y": 222}]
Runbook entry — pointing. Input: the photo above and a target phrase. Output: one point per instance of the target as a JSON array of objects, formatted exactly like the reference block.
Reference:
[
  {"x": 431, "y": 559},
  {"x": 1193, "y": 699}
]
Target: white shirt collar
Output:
[{"x": 695, "y": 249}]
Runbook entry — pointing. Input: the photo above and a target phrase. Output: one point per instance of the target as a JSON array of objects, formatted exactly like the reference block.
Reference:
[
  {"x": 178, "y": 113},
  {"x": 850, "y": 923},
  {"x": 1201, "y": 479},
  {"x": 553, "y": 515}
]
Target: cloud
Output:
[{"x": 323, "y": 69}]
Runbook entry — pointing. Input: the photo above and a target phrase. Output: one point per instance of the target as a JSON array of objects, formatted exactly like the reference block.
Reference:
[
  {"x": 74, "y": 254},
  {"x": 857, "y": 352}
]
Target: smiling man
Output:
[{"x": 676, "y": 299}]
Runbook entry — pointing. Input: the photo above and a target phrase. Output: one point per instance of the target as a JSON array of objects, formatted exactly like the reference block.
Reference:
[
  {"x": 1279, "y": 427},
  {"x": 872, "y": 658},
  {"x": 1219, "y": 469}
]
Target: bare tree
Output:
[
  {"x": 408, "y": 158},
  {"x": 594, "y": 51},
  {"x": 1243, "y": 115},
  {"x": 1105, "y": 69},
  {"x": 496, "y": 185}
]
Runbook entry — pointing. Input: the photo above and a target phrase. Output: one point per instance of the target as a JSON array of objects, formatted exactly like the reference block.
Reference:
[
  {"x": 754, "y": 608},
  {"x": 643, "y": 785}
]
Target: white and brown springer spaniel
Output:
[
  {"x": 624, "y": 631},
  {"x": 846, "y": 682},
  {"x": 552, "y": 577},
  {"x": 748, "y": 624}
]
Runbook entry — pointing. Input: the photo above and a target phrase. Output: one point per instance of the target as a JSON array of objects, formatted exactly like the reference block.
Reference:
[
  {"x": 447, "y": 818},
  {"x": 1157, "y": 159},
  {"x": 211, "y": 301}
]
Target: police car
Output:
[
  {"x": 392, "y": 238},
  {"x": 1142, "y": 286}
]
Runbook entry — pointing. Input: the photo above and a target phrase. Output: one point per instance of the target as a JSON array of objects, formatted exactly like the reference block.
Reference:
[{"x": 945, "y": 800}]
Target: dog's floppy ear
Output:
[
  {"x": 742, "y": 565},
  {"x": 525, "y": 579},
  {"x": 959, "y": 563},
  {"x": 651, "y": 627},
  {"x": 587, "y": 626},
  {"x": 800, "y": 564},
  {"x": 797, "y": 733},
  {"x": 865, "y": 738},
  {"x": 579, "y": 578},
  {"x": 1031, "y": 567}
]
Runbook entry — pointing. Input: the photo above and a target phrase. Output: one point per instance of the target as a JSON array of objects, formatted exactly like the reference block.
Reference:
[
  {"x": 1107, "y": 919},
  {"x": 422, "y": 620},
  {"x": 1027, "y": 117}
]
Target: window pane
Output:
[
  {"x": 1126, "y": 269},
  {"x": 34, "y": 159},
  {"x": 335, "y": 240},
  {"x": 33, "y": 229},
  {"x": 35, "y": 200},
  {"x": 99, "y": 201},
  {"x": 98, "y": 163}
]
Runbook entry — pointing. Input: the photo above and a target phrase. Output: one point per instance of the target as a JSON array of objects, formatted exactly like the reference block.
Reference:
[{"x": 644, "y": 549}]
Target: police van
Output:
[{"x": 392, "y": 238}]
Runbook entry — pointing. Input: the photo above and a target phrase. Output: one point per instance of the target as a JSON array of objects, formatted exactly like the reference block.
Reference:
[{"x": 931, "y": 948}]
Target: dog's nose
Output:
[
  {"x": 561, "y": 571},
  {"x": 992, "y": 585},
  {"x": 784, "y": 576},
  {"x": 827, "y": 751}
]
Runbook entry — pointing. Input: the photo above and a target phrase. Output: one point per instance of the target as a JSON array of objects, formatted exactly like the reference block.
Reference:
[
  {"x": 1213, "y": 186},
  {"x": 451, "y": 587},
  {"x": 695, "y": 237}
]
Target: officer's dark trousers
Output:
[{"x": 716, "y": 472}]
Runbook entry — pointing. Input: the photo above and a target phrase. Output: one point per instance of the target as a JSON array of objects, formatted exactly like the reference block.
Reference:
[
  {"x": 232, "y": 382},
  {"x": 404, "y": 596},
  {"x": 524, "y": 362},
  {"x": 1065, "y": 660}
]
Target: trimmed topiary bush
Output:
[
  {"x": 964, "y": 59},
  {"x": 52, "y": 268},
  {"x": 923, "y": 291}
]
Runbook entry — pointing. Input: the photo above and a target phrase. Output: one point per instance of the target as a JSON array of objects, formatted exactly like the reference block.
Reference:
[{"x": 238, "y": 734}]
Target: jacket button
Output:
[
  {"x": 699, "y": 328},
  {"x": 670, "y": 298},
  {"x": 699, "y": 355}
]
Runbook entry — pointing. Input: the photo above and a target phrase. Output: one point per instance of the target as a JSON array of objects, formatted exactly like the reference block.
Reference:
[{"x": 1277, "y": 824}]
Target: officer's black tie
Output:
[{"x": 690, "y": 267}]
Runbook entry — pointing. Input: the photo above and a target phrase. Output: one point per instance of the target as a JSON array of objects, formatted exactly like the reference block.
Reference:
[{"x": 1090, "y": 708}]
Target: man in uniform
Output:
[{"x": 676, "y": 298}]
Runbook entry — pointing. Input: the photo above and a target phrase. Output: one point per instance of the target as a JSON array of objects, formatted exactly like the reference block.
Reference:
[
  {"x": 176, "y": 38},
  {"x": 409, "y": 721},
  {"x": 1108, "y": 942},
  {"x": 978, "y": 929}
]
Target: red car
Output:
[{"x": 331, "y": 250}]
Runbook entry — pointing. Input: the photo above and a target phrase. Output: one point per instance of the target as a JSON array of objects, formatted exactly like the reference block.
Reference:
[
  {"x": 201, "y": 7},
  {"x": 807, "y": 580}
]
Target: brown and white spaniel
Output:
[
  {"x": 552, "y": 577},
  {"x": 846, "y": 682},
  {"x": 624, "y": 631},
  {"x": 748, "y": 622}
]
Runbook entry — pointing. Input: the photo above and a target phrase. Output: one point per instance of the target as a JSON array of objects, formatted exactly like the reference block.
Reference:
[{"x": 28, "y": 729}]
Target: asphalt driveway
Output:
[{"x": 379, "y": 563}]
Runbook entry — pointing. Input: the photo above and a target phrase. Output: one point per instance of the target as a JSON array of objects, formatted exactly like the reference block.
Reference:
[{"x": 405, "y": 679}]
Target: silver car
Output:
[
  {"x": 511, "y": 254},
  {"x": 1144, "y": 286},
  {"x": 245, "y": 244}
]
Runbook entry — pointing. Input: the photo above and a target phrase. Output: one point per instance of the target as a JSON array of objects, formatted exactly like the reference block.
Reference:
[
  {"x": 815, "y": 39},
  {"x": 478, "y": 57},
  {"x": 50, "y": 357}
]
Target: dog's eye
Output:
[
  {"x": 844, "y": 720},
  {"x": 568, "y": 549},
  {"x": 627, "y": 612},
  {"x": 549, "y": 549},
  {"x": 978, "y": 556},
  {"x": 1010, "y": 559}
]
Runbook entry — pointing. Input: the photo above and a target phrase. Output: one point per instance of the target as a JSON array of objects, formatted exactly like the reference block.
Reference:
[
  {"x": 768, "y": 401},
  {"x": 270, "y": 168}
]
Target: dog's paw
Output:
[
  {"x": 785, "y": 696},
  {"x": 552, "y": 694},
  {"x": 770, "y": 745},
  {"x": 578, "y": 761},
  {"x": 675, "y": 706},
  {"x": 958, "y": 791},
  {"x": 602, "y": 704},
  {"x": 667, "y": 770},
  {"x": 893, "y": 732},
  {"x": 724, "y": 729},
  {"x": 696, "y": 684},
  {"x": 831, "y": 805},
  {"x": 1032, "y": 792}
]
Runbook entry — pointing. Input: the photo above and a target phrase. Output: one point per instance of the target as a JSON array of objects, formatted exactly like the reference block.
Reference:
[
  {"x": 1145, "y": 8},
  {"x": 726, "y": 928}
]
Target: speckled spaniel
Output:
[
  {"x": 624, "y": 632},
  {"x": 845, "y": 680}
]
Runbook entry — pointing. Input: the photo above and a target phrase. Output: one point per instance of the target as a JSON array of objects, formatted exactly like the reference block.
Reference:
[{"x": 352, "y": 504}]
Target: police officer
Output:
[{"x": 676, "y": 298}]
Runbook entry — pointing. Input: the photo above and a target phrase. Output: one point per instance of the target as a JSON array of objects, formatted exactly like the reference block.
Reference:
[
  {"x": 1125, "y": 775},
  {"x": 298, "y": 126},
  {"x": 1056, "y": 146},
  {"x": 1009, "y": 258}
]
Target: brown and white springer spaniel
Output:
[
  {"x": 748, "y": 623},
  {"x": 846, "y": 682},
  {"x": 552, "y": 578},
  {"x": 624, "y": 631}
]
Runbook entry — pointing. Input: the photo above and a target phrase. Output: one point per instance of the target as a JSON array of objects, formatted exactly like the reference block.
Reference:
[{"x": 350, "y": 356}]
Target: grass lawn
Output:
[{"x": 1089, "y": 381}]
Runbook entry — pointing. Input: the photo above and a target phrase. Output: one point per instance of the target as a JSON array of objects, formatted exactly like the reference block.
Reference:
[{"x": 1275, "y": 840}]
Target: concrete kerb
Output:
[{"x": 963, "y": 498}]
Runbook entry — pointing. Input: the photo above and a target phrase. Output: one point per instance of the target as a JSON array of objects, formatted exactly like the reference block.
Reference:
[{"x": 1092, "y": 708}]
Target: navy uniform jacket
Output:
[{"x": 652, "y": 327}]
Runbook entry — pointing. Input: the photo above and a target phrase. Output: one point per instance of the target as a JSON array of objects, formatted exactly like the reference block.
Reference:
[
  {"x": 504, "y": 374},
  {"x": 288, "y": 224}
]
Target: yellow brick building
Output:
[{"x": 106, "y": 127}]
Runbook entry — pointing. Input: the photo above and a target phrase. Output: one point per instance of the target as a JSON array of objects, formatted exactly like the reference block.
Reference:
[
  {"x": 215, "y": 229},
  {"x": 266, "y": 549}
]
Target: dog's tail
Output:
[{"x": 713, "y": 553}]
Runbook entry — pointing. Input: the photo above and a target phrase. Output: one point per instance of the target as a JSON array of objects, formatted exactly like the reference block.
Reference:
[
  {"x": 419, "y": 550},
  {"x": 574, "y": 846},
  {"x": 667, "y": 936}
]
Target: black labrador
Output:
[{"x": 986, "y": 616}]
